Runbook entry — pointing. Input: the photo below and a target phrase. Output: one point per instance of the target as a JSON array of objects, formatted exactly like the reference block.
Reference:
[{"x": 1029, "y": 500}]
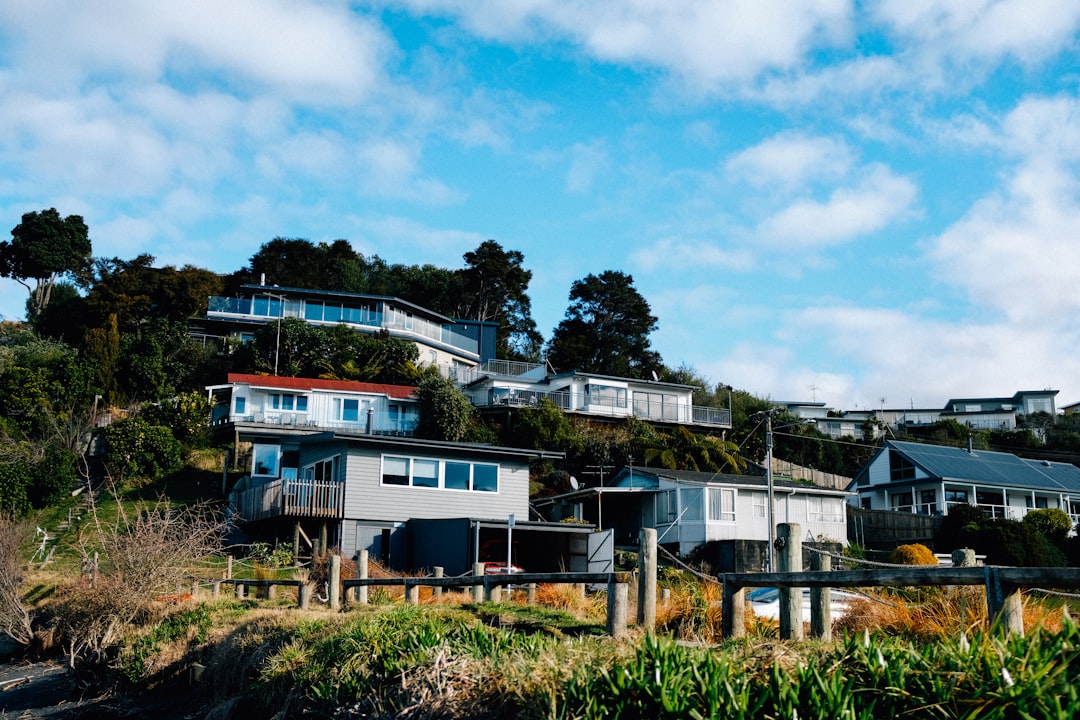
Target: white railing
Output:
[{"x": 660, "y": 412}]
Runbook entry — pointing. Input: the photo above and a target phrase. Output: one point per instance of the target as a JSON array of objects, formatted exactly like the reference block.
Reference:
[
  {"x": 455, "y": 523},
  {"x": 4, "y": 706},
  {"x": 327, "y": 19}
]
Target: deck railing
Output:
[{"x": 291, "y": 498}]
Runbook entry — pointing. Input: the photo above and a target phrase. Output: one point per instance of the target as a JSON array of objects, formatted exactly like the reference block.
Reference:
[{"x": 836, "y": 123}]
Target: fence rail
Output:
[{"x": 1003, "y": 586}]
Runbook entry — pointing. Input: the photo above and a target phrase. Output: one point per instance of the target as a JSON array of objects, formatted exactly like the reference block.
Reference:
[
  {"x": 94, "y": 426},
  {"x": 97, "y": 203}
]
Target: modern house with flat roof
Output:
[
  {"x": 500, "y": 385},
  {"x": 443, "y": 342}
]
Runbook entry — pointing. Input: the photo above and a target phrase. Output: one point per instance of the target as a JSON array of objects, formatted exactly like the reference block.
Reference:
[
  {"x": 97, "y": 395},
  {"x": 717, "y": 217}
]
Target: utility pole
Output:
[{"x": 599, "y": 470}]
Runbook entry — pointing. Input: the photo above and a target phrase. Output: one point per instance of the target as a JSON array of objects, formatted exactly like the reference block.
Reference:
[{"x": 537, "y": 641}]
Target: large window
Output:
[
  {"x": 666, "y": 507},
  {"x": 605, "y": 395},
  {"x": 823, "y": 509},
  {"x": 265, "y": 460},
  {"x": 721, "y": 505},
  {"x": 347, "y": 409},
  {"x": 289, "y": 402},
  {"x": 440, "y": 474},
  {"x": 900, "y": 468}
]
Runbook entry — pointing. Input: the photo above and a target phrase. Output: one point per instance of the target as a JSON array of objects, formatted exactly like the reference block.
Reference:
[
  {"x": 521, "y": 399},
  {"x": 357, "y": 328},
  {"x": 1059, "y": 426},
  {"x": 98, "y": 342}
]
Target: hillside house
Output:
[
  {"x": 500, "y": 385},
  {"x": 931, "y": 479},
  {"x": 691, "y": 509},
  {"x": 311, "y": 405},
  {"x": 443, "y": 342},
  {"x": 361, "y": 492}
]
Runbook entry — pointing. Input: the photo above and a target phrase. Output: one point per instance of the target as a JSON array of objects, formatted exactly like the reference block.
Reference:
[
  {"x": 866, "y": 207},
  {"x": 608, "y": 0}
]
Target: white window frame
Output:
[
  {"x": 411, "y": 475},
  {"x": 725, "y": 509}
]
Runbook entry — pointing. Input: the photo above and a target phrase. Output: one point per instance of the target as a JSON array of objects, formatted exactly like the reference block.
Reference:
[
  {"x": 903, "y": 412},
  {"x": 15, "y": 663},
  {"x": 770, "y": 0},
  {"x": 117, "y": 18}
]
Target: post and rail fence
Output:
[{"x": 1003, "y": 587}]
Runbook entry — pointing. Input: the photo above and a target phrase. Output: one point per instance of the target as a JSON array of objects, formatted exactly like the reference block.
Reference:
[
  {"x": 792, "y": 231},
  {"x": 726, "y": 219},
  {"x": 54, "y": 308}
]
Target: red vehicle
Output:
[{"x": 498, "y": 568}]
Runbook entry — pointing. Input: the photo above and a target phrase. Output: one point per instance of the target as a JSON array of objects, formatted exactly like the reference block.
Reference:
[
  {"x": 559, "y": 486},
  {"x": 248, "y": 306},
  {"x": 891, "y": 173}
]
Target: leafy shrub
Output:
[
  {"x": 137, "y": 450},
  {"x": 1011, "y": 542},
  {"x": 960, "y": 527},
  {"x": 914, "y": 554},
  {"x": 1055, "y": 524}
]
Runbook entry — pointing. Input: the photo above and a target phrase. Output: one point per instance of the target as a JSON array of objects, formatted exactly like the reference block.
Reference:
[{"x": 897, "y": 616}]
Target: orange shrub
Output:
[{"x": 914, "y": 554}]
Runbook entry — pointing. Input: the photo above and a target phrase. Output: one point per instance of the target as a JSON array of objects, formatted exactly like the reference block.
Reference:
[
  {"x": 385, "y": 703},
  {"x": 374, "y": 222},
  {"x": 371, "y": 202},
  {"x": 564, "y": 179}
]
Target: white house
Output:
[
  {"x": 499, "y": 384},
  {"x": 690, "y": 509},
  {"x": 443, "y": 342},
  {"x": 931, "y": 479},
  {"x": 314, "y": 405}
]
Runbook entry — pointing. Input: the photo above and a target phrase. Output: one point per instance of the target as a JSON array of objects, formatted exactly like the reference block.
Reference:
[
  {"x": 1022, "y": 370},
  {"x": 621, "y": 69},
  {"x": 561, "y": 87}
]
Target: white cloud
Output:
[
  {"x": 880, "y": 198},
  {"x": 307, "y": 51},
  {"x": 587, "y": 160},
  {"x": 701, "y": 41},
  {"x": 792, "y": 159},
  {"x": 1028, "y": 30},
  {"x": 686, "y": 254},
  {"x": 390, "y": 168}
]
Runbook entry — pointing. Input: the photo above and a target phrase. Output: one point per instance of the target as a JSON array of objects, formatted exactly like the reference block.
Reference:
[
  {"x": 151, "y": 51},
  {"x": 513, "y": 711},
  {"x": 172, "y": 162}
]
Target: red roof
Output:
[{"x": 400, "y": 392}]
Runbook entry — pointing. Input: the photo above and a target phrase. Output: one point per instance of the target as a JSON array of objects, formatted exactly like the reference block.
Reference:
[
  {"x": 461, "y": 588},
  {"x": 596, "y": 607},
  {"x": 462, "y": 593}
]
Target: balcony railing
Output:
[
  {"x": 611, "y": 407},
  {"x": 291, "y": 498},
  {"x": 381, "y": 423},
  {"x": 391, "y": 321}
]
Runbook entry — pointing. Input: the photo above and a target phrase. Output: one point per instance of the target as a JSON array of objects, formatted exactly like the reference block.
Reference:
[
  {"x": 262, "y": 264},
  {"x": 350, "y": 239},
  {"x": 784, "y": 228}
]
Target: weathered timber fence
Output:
[
  {"x": 617, "y": 588},
  {"x": 1003, "y": 586}
]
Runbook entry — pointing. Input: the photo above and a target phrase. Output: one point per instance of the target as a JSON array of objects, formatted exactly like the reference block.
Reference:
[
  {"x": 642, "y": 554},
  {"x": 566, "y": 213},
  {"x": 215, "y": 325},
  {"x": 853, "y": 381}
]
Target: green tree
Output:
[
  {"x": 14, "y": 482},
  {"x": 187, "y": 416},
  {"x": 495, "y": 285},
  {"x": 43, "y": 247},
  {"x": 138, "y": 452},
  {"x": 606, "y": 329},
  {"x": 445, "y": 412}
]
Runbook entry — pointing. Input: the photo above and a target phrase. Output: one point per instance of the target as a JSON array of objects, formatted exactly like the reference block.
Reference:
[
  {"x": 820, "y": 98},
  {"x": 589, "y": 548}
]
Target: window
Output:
[
  {"x": 927, "y": 502},
  {"x": 395, "y": 471},
  {"x": 456, "y": 475},
  {"x": 324, "y": 471},
  {"x": 692, "y": 505},
  {"x": 665, "y": 507},
  {"x": 486, "y": 478},
  {"x": 721, "y": 505},
  {"x": 288, "y": 402},
  {"x": 901, "y": 501},
  {"x": 425, "y": 473},
  {"x": 822, "y": 509},
  {"x": 440, "y": 474},
  {"x": 953, "y": 497},
  {"x": 241, "y": 405},
  {"x": 347, "y": 409},
  {"x": 759, "y": 504},
  {"x": 900, "y": 468},
  {"x": 605, "y": 395},
  {"x": 264, "y": 460}
]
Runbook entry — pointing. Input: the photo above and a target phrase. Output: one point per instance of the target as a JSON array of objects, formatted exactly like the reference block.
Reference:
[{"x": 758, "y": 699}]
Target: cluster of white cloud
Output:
[{"x": 176, "y": 114}]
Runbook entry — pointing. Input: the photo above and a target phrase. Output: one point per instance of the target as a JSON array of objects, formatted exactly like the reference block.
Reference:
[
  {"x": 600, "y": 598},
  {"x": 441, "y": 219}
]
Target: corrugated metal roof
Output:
[
  {"x": 398, "y": 392},
  {"x": 985, "y": 467}
]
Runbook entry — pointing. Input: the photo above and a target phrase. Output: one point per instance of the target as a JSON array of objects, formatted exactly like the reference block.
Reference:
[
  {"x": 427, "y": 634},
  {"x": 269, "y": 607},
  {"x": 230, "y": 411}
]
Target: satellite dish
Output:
[{"x": 574, "y": 483}]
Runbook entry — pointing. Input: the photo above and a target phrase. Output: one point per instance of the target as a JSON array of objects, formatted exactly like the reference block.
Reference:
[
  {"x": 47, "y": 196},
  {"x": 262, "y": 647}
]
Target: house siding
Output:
[{"x": 367, "y": 498}]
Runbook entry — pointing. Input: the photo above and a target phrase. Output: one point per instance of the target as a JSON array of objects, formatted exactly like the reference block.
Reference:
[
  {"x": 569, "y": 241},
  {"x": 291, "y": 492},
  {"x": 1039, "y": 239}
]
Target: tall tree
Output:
[
  {"x": 495, "y": 290},
  {"x": 606, "y": 329},
  {"x": 43, "y": 247}
]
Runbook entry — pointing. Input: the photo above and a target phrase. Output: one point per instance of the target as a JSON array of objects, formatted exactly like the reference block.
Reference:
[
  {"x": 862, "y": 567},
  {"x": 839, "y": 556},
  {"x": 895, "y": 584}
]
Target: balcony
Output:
[
  {"x": 609, "y": 407},
  {"x": 381, "y": 423},
  {"x": 290, "y": 498},
  {"x": 362, "y": 319}
]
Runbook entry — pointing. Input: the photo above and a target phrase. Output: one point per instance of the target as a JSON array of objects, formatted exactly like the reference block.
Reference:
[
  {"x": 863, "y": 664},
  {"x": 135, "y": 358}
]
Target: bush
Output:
[
  {"x": 1011, "y": 542},
  {"x": 914, "y": 554},
  {"x": 960, "y": 528},
  {"x": 137, "y": 450},
  {"x": 1055, "y": 524}
]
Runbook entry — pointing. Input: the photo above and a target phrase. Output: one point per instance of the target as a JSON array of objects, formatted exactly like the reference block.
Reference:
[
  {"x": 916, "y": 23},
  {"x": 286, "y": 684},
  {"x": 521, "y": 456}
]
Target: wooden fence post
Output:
[
  {"x": 821, "y": 601},
  {"x": 228, "y": 567},
  {"x": 215, "y": 588},
  {"x": 478, "y": 590},
  {"x": 412, "y": 593},
  {"x": 616, "y": 608},
  {"x": 362, "y": 574},
  {"x": 646, "y": 606},
  {"x": 732, "y": 608},
  {"x": 436, "y": 591},
  {"x": 788, "y": 560},
  {"x": 530, "y": 594},
  {"x": 333, "y": 590},
  {"x": 1004, "y": 606},
  {"x": 303, "y": 595}
]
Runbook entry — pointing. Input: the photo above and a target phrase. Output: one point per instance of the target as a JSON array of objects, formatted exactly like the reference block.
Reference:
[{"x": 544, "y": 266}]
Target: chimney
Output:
[{"x": 262, "y": 278}]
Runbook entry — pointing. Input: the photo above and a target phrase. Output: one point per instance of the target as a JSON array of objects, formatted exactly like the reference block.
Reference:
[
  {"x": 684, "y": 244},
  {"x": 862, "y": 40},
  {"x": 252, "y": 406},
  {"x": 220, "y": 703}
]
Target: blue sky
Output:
[{"x": 850, "y": 202}]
